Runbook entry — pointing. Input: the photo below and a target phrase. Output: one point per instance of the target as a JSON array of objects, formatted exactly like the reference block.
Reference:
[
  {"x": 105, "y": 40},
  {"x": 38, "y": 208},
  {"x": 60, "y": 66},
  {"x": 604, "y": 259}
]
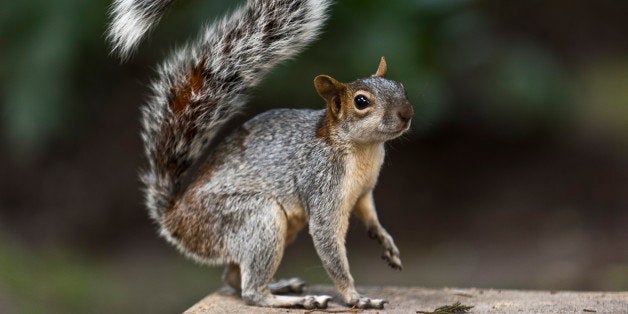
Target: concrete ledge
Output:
[{"x": 410, "y": 300}]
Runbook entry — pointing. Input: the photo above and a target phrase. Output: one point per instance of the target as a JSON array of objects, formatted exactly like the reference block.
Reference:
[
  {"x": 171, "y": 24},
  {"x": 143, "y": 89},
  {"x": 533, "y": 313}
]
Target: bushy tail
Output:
[{"x": 201, "y": 86}]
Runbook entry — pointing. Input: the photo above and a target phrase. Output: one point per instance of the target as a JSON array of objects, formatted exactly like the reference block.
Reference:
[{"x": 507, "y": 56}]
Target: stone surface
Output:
[{"x": 410, "y": 300}]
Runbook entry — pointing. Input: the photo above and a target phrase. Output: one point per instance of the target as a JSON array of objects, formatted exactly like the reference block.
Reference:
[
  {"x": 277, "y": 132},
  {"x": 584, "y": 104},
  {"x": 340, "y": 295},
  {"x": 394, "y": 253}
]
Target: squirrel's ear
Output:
[
  {"x": 331, "y": 90},
  {"x": 381, "y": 69}
]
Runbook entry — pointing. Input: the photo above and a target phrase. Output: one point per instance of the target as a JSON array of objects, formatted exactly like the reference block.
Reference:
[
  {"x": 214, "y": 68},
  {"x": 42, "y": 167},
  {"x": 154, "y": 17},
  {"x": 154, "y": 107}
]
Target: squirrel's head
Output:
[{"x": 368, "y": 110}]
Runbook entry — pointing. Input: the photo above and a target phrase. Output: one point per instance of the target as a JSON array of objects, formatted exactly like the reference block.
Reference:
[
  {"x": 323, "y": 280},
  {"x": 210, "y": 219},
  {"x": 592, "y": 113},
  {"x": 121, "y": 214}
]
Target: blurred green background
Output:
[{"x": 514, "y": 175}]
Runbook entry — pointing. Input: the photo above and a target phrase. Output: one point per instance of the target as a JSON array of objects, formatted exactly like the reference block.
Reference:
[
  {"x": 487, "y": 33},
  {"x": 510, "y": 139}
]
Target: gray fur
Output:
[{"x": 278, "y": 171}]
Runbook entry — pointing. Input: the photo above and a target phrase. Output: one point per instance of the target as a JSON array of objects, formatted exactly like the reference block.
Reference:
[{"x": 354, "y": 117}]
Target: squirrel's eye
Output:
[{"x": 361, "y": 102}]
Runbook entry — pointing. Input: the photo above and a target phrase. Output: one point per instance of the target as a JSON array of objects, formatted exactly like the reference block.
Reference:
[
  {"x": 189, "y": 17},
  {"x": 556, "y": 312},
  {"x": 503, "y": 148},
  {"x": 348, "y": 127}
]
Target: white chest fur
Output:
[{"x": 361, "y": 172}]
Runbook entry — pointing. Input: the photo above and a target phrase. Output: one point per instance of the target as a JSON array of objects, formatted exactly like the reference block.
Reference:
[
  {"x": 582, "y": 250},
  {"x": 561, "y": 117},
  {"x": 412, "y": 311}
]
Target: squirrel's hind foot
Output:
[{"x": 306, "y": 302}]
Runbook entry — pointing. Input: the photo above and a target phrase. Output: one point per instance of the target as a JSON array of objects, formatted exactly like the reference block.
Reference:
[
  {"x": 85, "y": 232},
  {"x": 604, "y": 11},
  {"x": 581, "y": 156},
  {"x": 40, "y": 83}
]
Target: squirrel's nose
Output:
[{"x": 405, "y": 113}]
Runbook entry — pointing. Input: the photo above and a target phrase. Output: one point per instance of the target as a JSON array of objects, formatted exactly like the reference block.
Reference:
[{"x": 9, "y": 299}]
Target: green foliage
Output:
[
  {"x": 54, "y": 281},
  {"x": 45, "y": 45}
]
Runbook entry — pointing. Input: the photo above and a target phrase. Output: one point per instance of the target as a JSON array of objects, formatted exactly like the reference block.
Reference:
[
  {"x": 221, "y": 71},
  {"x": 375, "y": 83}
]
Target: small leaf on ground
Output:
[{"x": 455, "y": 308}]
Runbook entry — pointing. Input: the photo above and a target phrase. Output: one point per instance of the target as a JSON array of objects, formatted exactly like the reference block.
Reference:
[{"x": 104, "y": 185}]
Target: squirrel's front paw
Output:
[
  {"x": 391, "y": 255},
  {"x": 367, "y": 303},
  {"x": 391, "y": 252}
]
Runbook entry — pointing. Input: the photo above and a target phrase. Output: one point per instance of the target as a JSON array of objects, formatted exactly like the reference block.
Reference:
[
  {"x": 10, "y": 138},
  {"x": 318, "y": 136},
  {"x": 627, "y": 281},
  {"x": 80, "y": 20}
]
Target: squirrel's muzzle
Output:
[{"x": 405, "y": 113}]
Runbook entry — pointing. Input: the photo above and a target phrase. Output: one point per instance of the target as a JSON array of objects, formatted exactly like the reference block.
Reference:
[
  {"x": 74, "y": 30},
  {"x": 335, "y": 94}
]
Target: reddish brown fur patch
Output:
[
  {"x": 190, "y": 222},
  {"x": 183, "y": 93},
  {"x": 325, "y": 127},
  {"x": 296, "y": 220},
  {"x": 193, "y": 227}
]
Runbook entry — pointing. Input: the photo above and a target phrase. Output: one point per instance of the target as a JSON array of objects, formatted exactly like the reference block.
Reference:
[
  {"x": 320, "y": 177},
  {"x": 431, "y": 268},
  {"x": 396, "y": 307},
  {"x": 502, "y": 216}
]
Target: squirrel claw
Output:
[
  {"x": 393, "y": 260},
  {"x": 368, "y": 303}
]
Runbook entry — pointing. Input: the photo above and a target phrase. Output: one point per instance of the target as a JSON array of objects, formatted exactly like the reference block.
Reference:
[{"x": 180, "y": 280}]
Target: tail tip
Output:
[{"x": 127, "y": 29}]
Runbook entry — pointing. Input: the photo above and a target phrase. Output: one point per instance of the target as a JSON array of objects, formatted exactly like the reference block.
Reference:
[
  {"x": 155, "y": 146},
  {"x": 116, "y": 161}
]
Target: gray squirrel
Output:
[{"x": 277, "y": 172}]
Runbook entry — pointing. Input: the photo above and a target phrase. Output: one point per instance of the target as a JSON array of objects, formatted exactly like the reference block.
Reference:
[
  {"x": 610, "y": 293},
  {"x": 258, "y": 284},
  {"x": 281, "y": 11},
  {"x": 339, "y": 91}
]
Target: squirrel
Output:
[{"x": 277, "y": 172}]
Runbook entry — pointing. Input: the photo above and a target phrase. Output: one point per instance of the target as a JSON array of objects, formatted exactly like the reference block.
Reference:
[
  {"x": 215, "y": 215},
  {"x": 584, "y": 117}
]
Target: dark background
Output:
[{"x": 515, "y": 173}]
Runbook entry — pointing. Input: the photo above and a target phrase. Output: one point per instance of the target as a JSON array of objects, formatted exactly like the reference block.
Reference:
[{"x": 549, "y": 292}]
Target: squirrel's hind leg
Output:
[
  {"x": 263, "y": 243},
  {"x": 260, "y": 295}
]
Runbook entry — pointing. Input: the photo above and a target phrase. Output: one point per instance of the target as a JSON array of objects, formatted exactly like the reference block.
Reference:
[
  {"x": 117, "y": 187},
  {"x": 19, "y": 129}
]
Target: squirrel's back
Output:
[{"x": 267, "y": 153}]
